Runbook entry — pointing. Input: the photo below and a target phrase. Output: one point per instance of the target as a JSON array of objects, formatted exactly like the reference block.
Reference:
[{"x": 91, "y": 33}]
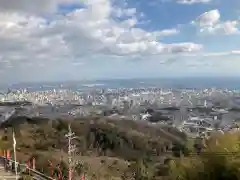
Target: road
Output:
[{"x": 6, "y": 175}]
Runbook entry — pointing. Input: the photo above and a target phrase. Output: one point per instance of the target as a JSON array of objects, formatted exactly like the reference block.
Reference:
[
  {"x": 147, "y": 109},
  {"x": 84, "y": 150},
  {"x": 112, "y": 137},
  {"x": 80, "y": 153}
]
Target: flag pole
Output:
[{"x": 15, "y": 155}]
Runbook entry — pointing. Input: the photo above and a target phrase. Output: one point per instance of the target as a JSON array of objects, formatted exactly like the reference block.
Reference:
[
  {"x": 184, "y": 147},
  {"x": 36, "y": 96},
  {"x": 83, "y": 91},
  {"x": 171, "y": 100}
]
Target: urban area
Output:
[
  {"x": 191, "y": 112},
  {"x": 195, "y": 112}
]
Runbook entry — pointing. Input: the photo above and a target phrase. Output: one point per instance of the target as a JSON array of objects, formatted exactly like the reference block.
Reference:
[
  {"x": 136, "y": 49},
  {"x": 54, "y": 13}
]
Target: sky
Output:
[{"x": 54, "y": 40}]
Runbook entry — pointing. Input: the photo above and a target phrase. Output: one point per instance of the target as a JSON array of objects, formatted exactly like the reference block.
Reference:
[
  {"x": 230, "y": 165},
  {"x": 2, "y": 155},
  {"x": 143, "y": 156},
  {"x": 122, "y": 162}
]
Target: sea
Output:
[{"x": 174, "y": 83}]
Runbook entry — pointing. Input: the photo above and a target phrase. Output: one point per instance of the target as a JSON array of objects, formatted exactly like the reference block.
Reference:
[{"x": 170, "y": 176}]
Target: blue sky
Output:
[{"x": 101, "y": 39}]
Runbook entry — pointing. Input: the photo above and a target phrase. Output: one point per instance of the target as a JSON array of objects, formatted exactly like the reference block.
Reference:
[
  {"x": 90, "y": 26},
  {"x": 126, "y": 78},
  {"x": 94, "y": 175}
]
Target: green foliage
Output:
[
  {"x": 139, "y": 170},
  {"x": 26, "y": 177},
  {"x": 4, "y": 145},
  {"x": 81, "y": 168},
  {"x": 64, "y": 169},
  {"x": 220, "y": 159}
]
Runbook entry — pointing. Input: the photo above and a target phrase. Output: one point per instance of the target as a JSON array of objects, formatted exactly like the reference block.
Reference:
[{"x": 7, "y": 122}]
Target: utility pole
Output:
[{"x": 71, "y": 150}]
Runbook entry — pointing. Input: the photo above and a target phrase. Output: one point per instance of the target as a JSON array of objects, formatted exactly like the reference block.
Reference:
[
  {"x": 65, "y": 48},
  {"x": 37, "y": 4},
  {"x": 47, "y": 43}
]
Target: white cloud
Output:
[
  {"x": 187, "y": 2},
  {"x": 209, "y": 22},
  {"x": 119, "y": 12},
  {"x": 228, "y": 28},
  {"x": 206, "y": 63},
  {"x": 192, "y": 1},
  {"x": 33, "y": 6},
  {"x": 209, "y": 18},
  {"x": 27, "y": 39},
  {"x": 213, "y": 54},
  {"x": 168, "y": 32}
]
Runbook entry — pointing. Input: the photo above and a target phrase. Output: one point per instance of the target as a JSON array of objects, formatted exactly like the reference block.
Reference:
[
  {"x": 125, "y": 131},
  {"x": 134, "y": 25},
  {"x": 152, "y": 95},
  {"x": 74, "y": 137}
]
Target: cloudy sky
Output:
[{"x": 97, "y": 39}]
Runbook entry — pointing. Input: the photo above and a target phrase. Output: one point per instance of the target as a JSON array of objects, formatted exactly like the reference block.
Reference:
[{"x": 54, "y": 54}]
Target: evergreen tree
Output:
[{"x": 219, "y": 159}]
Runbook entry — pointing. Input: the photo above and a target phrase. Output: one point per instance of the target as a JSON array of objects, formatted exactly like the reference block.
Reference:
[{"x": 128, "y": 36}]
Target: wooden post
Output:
[
  {"x": 18, "y": 166},
  {"x": 34, "y": 164},
  {"x": 70, "y": 174},
  {"x": 13, "y": 166},
  {"x": 1, "y": 157},
  {"x": 8, "y": 158},
  {"x": 51, "y": 169}
]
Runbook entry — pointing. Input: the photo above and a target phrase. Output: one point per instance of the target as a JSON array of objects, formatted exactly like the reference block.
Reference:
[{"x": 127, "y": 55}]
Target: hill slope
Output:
[{"x": 109, "y": 144}]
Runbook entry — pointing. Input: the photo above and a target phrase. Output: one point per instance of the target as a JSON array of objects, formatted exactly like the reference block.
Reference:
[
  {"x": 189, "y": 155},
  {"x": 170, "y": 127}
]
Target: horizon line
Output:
[{"x": 122, "y": 78}]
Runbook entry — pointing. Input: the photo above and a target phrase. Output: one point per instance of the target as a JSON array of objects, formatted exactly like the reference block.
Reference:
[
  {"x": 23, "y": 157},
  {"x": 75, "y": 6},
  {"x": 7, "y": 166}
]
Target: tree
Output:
[
  {"x": 219, "y": 159},
  {"x": 140, "y": 170},
  {"x": 64, "y": 169},
  {"x": 81, "y": 168},
  {"x": 26, "y": 177}
]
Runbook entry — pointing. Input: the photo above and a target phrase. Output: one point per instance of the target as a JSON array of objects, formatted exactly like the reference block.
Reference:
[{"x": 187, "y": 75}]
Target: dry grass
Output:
[{"x": 47, "y": 141}]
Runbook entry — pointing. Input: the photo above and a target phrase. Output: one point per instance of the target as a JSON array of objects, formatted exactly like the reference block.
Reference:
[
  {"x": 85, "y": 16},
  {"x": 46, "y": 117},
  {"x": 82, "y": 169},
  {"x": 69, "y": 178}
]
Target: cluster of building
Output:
[{"x": 195, "y": 112}]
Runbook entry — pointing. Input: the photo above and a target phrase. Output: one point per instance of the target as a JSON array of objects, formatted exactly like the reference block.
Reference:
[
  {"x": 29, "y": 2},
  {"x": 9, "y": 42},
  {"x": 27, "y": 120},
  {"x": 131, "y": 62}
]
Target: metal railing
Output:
[{"x": 23, "y": 168}]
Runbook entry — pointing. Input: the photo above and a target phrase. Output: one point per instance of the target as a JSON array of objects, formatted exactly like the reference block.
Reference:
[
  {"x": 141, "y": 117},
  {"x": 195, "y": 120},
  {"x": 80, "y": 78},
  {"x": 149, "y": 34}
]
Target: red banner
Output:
[{"x": 8, "y": 155}]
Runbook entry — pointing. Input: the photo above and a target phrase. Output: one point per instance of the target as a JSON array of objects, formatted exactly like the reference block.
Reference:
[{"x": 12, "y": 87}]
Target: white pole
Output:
[
  {"x": 15, "y": 155},
  {"x": 71, "y": 149},
  {"x": 70, "y": 152}
]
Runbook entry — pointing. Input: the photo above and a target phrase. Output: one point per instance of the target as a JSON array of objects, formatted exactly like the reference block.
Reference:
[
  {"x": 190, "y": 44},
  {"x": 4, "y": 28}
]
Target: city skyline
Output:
[{"x": 52, "y": 40}]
